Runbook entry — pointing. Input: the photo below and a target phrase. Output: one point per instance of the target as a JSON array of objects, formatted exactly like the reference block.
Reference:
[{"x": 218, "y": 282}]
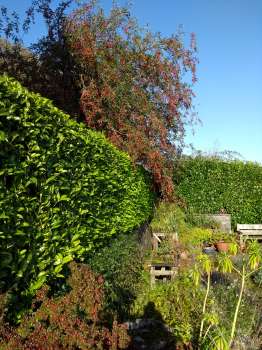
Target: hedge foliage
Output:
[
  {"x": 64, "y": 189},
  {"x": 209, "y": 185}
]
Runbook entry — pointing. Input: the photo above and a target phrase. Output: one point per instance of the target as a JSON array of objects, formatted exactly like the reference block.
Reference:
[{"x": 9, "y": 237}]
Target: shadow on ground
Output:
[{"x": 151, "y": 333}]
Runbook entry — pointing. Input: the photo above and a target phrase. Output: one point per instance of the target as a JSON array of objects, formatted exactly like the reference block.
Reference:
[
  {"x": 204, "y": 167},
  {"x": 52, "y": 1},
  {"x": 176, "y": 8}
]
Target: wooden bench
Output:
[{"x": 249, "y": 231}]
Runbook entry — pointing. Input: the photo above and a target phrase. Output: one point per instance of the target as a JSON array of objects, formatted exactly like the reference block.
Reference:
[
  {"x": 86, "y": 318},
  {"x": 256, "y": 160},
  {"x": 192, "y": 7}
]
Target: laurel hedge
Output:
[
  {"x": 64, "y": 189},
  {"x": 211, "y": 185}
]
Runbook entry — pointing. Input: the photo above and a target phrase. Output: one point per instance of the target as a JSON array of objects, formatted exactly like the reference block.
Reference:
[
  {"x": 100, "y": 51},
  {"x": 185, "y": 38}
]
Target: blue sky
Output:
[{"x": 229, "y": 39}]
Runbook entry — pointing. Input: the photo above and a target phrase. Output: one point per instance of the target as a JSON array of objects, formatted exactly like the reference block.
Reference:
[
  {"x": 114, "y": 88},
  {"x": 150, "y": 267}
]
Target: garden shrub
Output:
[
  {"x": 121, "y": 265},
  {"x": 177, "y": 304},
  {"x": 196, "y": 236},
  {"x": 71, "y": 321},
  {"x": 212, "y": 185},
  {"x": 168, "y": 218},
  {"x": 64, "y": 189},
  {"x": 203, "y": 221},
  {"x": 192, "y": 229}
]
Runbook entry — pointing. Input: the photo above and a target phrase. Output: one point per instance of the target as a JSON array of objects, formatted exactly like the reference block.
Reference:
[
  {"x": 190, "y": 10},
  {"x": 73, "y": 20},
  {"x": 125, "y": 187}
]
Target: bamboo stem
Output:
[
  {"x": 204, "y": 309},
  {"x": 233, "y": 329}
]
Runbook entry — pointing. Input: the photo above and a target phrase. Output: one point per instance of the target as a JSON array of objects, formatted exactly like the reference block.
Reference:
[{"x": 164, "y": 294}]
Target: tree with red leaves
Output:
[{"x": 134, "y": 86}]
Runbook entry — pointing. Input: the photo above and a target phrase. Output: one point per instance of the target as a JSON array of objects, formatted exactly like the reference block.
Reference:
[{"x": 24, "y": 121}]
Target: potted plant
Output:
[
  {"x": 208, "y": 246},
  {"x": 222, "y": 241}
]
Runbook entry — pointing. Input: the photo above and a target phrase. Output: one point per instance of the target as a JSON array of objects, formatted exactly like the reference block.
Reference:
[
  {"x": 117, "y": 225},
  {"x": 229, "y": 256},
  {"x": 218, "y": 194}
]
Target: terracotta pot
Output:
[{"x": 222, "y": 246}]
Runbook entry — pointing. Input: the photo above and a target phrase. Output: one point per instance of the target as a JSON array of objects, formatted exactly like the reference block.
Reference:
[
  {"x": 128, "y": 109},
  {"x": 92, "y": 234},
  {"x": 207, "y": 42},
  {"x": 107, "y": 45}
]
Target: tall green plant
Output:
[
  {"x": 204, "y": 265},
  {"x": 251, "y": 263}
]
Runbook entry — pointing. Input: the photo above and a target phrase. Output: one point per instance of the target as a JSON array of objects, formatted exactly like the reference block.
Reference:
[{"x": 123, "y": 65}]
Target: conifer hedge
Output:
[
  {"x": 64, "y": 189},
  {"x": 211, "y": 185}
]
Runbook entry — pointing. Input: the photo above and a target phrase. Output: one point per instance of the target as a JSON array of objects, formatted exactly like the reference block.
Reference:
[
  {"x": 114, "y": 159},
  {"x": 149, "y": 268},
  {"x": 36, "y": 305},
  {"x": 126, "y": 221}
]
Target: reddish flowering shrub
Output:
[
  {"x": 133, "y": 86},
  {"x": 71, "y": 321}
]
